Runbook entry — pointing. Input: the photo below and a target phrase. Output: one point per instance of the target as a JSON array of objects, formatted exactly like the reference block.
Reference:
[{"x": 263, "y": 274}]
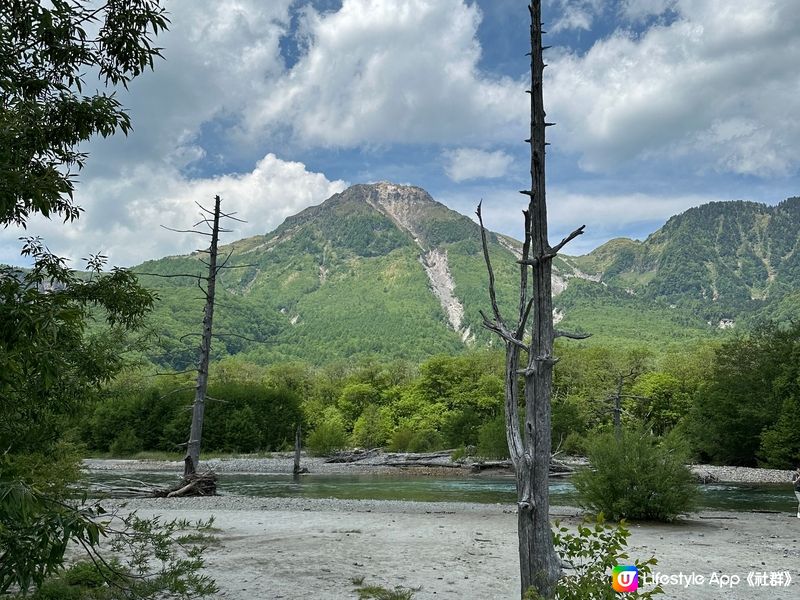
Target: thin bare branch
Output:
[
  {"x": 501, "y": 331},
  {"x": 182, "y": 389},
  {"x": 572, "y": 336},
  {"x": 167, "y": 276},
  {"x": 231, "y": 217},
  {"x": 523, "y": 321},
  {"x": 224, "y": 262},
  {"x": 239, "y": 266},
  {"x": 216, "y": 399},
  {"x": 567, "y": 240},
  {"x": 487, "y": 259},
  {"x": 204, "y": 209},
  {"x": 186, "y": 231},
  {"x": 171, "y": 373}
]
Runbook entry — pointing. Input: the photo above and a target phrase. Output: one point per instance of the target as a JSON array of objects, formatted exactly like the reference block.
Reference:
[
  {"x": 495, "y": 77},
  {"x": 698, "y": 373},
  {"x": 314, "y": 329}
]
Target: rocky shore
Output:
[{"x": 380, "y": 462}]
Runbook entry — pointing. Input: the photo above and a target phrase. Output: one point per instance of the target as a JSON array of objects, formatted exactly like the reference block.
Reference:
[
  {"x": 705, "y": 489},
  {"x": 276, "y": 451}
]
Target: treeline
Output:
[{"x": 737, "y": 402}]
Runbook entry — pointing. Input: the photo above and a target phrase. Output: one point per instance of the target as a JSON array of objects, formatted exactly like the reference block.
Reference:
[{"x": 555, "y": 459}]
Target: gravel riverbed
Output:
[{"x": 283, "y": 463}]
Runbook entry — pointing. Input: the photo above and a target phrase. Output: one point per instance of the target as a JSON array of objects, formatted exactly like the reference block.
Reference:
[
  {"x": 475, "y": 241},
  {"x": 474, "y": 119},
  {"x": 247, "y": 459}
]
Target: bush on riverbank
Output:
[{"x": 638, "y": 476}]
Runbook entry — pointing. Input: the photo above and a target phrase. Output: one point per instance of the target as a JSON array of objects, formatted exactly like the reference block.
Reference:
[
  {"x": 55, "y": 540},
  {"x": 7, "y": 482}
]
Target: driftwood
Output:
[
  {"x": 203, "y": 484},
  {"x": 441, "y": 459},
  {"x": 195, "y": 484},
  {"x": 352, "y": 456}
]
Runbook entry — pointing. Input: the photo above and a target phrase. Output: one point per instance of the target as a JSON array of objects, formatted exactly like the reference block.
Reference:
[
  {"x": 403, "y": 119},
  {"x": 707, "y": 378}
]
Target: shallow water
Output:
[{"x": 478, "y": 488}]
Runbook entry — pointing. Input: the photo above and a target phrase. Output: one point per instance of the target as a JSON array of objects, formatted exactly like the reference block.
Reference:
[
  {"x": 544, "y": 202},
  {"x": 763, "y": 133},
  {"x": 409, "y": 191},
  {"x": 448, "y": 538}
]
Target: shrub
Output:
[
  {"x": 84, "y": 573},
  {"x": 592, "y": 552},
  {"x": 163, "y": 566},
  {"x": 126, "y": 443},
  {"x": 401, "y": 439},
  {"x": 371, "y": 428},
  {"x": 492, "y": 441},
  {"x": 329, "y": 436},
  {"x": 57, "y": 589},
  {"x": 574, "y": 444},
  {"x": 425, "y": 440},
  {"x": 636, "y": 477}
]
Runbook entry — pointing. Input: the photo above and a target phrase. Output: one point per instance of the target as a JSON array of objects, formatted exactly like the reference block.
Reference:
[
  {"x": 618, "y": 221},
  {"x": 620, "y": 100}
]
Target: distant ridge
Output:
[{"x": 384, "y": 269}]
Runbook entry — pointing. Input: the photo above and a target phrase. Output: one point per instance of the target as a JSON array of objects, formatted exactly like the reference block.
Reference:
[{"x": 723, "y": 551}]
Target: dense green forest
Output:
[{"x": 733, "y": 402}]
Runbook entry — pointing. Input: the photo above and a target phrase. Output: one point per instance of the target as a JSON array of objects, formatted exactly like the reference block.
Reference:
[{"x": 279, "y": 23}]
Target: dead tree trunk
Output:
[
  {"x": 192, "y": 459},
  {"x": 530, "y": 449},
  {"x": 298, "y": 437}
]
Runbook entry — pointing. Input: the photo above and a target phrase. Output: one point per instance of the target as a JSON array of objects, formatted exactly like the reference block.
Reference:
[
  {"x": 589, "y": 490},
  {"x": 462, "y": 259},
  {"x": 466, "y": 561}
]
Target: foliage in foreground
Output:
[
  {"x": 637, "y": 476},
  {"x": 151, "y": 557},
  {"x": 589, "y": 555}
]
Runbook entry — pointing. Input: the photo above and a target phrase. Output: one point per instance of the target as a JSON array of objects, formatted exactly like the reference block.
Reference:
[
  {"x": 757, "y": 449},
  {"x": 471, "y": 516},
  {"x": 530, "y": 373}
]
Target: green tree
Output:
[
  {"x": 46, "y": 50},
  {"x": 659, "y": 401},
  {"x": 49, "y": 362},
  {"x": 372, "y": 428},
  {"x": 354, "y": 398},
  {"x": 750, "y": 387}
]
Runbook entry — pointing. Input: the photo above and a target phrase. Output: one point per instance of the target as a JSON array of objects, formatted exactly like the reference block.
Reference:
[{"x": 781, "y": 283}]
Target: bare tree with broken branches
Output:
[
  {"x": 193, "y": 483},
  {"x": 530, "y": 386},
  {"x": 192, "y": 459}
]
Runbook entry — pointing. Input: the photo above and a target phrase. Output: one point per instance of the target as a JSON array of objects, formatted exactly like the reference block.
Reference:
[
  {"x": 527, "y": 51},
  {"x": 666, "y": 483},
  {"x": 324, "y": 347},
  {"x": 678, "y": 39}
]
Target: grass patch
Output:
[
  {"x": 376, "y": 592},
  {"x": 205, "y": 539}
]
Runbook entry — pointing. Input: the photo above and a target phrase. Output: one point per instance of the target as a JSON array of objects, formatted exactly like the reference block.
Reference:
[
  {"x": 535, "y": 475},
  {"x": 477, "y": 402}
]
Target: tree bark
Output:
[
  {"x": 192, "y": 459},
  {"x": 530, "y": 448},
  {"x": 298, "y": 436},
  {"x": 540, "y": 566}
]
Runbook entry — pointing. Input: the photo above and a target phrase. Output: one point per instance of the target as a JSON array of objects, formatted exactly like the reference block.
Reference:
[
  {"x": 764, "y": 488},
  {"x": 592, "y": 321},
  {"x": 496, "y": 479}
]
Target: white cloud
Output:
[
  {"x": 639, "y": 10},
  {"x": 576, "y": 14},
  {"x": 720, "y": 83},
  {"x": 123, "y": 216},
  {"x": 383, "y": 71},
  {"x": 464, "y": 164},
  {"x": 217, "y": 57}
]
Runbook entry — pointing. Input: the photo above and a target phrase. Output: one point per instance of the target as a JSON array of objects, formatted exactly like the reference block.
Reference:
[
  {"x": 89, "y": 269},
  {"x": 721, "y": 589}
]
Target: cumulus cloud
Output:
[
  {"x": 576, "y": 14},
  {"x": 123, "y": 215},
  {"x": 720, "y": 83},
  {"x": 464, "y": 164},
  {"x": 378, "y": 72},
  {"x": 217, "y": 57},
  {"x": 639, "y": 10}
]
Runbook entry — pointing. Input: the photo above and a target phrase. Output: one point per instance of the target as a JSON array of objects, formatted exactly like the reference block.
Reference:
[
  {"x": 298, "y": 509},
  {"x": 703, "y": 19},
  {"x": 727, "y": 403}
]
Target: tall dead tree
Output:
[
  {"x": 531, "y": 385},
  {"x": 192, "y": 459},
  {"x": 195, "y": 484}
]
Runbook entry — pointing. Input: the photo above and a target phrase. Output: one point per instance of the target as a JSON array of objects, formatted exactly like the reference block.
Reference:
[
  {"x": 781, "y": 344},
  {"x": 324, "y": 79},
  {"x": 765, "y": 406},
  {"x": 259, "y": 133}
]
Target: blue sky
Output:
[{"x": 661, "y": 105}]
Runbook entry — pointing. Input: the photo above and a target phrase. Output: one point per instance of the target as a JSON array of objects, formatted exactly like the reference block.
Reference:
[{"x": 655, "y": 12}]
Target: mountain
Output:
[
  {"x": 384, "y": 269},
  {"x": 724, "y": 261}
]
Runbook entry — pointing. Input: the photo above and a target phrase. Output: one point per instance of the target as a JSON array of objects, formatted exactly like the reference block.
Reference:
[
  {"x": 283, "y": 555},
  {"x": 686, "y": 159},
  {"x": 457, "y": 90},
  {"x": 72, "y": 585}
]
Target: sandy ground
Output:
[{"x": 301, "y": 548}]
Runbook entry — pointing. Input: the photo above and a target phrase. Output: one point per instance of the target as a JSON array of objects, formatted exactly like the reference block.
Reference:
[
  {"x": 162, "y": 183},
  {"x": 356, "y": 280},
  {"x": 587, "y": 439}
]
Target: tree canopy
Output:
[
  {"x": 47, "y": 50},
  {"x": 49, "y": 361}
]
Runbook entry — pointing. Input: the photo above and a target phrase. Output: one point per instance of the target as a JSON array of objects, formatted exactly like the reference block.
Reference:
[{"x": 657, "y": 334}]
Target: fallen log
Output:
[
  {"x": 353, "y": 456},
  {"x": 195, "y": 484}
]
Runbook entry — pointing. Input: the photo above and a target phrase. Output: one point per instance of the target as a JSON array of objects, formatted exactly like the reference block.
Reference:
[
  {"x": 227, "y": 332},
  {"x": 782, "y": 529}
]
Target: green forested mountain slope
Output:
[
  {"x": 724, "y": 261},
  {"x": 384, "y": 269}
]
